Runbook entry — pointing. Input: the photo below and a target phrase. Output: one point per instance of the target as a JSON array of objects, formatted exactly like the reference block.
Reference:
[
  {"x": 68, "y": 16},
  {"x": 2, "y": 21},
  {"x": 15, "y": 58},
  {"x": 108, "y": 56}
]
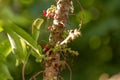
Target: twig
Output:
[
  {"x": 73, "y": 34},
  {"x": 69, "y": 68},
  {"x": 23, "y": 67},
  {"x": 35, "y": 75},
  {"x": 23, "y": 72},
  {"x": 80, "y": 25},
  {"x": 82, "y": 9},
  {"x": 80, "y": 5},
  {"x": 61, "y": 78}
]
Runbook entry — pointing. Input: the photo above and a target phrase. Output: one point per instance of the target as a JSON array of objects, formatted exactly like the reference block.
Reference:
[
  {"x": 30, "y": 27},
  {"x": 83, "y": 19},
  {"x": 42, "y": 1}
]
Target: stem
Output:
[
  {"x": 35, "y": 75},
  {"x": 69, "y": 68},
  {"x": 23, "y": 67},
  {"x": 23, "y": 72},
  {"x": 51, "y": 71}
]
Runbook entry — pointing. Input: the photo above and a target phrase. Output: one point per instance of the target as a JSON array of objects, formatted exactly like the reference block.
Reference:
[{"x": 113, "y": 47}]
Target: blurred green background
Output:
[{"x": 99, "y": 45}]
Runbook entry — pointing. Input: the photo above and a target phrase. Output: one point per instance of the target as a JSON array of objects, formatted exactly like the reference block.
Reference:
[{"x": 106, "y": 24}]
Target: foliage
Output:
[{"x": 98, "y": 47}]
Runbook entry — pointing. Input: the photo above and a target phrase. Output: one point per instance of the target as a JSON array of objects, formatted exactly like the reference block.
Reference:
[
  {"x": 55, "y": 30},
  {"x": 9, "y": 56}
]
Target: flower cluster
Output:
[
  {"x": 46, "y": 48},
  {"x": 50, "y": 28},
  {"x": 50, "y": 12}
]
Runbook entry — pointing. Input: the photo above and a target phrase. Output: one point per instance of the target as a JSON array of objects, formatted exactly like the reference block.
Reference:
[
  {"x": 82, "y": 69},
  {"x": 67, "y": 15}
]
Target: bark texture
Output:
[{"x": 61, "y": 15}]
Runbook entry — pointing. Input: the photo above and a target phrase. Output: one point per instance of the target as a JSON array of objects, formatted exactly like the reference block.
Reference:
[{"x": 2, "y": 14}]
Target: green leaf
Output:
[
  {"x": 5, "y": 47},
  {"x": 36, "y": 28},
  {"x": 4, "y": 72},
  {"x": 18, "y": 46},
  {"x": 25, "y": 36},
  {"x": 17, "y": 34}
]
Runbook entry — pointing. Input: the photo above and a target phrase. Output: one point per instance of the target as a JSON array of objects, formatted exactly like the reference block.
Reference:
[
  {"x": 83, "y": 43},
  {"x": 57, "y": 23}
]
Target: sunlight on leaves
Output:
[
  {"x": 18, "y": 46},
  {"x": 25, "y": 36},
  {"x": 18, "y": 37}
]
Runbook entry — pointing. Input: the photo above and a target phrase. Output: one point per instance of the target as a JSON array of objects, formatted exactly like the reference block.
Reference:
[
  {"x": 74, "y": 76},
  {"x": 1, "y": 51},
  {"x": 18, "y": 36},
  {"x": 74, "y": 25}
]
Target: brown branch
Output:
[
  {"x": 70, "y": 70},
  {"x": 23, "y": 67},
  {"x": 59, "y": 23},
  {"x": 35, "y": 75},
  {"x": 23, "y": 71},
  {"x": 73, "y": 34}
]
